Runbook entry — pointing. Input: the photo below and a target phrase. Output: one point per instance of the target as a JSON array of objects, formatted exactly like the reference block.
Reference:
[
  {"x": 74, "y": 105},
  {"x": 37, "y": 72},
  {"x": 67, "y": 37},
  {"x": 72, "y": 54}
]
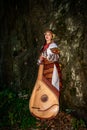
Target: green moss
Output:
[{"x": 15, "y": 110}]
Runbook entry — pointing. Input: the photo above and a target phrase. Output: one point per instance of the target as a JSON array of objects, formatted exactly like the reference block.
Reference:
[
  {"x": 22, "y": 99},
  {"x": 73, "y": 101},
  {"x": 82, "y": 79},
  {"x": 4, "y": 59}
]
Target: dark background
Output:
[{"x": 22, "y": 24}]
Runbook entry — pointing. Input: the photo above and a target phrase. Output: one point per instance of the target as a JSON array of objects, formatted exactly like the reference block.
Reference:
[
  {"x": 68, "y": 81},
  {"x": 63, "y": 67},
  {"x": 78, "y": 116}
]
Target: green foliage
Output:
[
  {"x": 14, "y": 110},
  {"x": 68, "y": 111},
  {"x": 78, "y": 123}
]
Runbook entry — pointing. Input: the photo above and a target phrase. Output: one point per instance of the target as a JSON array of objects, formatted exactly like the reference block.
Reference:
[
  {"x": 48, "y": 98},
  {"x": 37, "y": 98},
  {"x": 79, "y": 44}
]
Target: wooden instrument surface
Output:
[{"x": 44, "y": 102}]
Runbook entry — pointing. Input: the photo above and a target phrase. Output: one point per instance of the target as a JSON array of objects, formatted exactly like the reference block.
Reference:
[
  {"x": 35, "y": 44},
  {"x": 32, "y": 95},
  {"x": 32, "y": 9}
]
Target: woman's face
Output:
[{"x": 48, "y": 36}]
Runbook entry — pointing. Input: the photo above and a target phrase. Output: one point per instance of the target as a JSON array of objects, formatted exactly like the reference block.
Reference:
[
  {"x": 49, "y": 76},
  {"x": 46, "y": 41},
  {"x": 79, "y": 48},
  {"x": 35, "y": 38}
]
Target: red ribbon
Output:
[{"x": 45, "y": 46}]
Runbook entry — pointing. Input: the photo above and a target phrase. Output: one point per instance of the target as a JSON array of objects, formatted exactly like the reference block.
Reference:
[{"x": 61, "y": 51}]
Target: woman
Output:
[
  {"x": 50, "y": 58},
  {"x": 44, "y": 102}
]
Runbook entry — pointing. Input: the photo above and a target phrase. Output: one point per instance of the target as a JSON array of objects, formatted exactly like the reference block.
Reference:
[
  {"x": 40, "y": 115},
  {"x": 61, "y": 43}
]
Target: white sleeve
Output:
[{"x": 50, "y": 55}]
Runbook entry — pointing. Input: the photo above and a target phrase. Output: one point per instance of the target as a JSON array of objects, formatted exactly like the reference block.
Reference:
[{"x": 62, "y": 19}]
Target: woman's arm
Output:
[{"x": 53, "y": 54}]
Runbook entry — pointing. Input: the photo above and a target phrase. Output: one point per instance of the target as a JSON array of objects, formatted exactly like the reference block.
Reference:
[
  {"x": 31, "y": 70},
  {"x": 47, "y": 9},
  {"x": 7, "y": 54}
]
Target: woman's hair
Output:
[{"x": 48, "y": 30}]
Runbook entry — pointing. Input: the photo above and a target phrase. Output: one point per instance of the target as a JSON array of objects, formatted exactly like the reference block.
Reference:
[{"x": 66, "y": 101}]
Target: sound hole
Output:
[{"x": 44, "y": 98}]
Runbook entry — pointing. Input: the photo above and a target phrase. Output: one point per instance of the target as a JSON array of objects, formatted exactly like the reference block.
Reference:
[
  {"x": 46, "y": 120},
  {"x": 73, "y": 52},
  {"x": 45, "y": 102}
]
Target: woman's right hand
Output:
[{"x": 41, "y": 58}]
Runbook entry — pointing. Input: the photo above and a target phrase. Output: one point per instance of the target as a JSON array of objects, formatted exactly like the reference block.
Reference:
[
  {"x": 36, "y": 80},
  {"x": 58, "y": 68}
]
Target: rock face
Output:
[{"x": 21, "y": 36}]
